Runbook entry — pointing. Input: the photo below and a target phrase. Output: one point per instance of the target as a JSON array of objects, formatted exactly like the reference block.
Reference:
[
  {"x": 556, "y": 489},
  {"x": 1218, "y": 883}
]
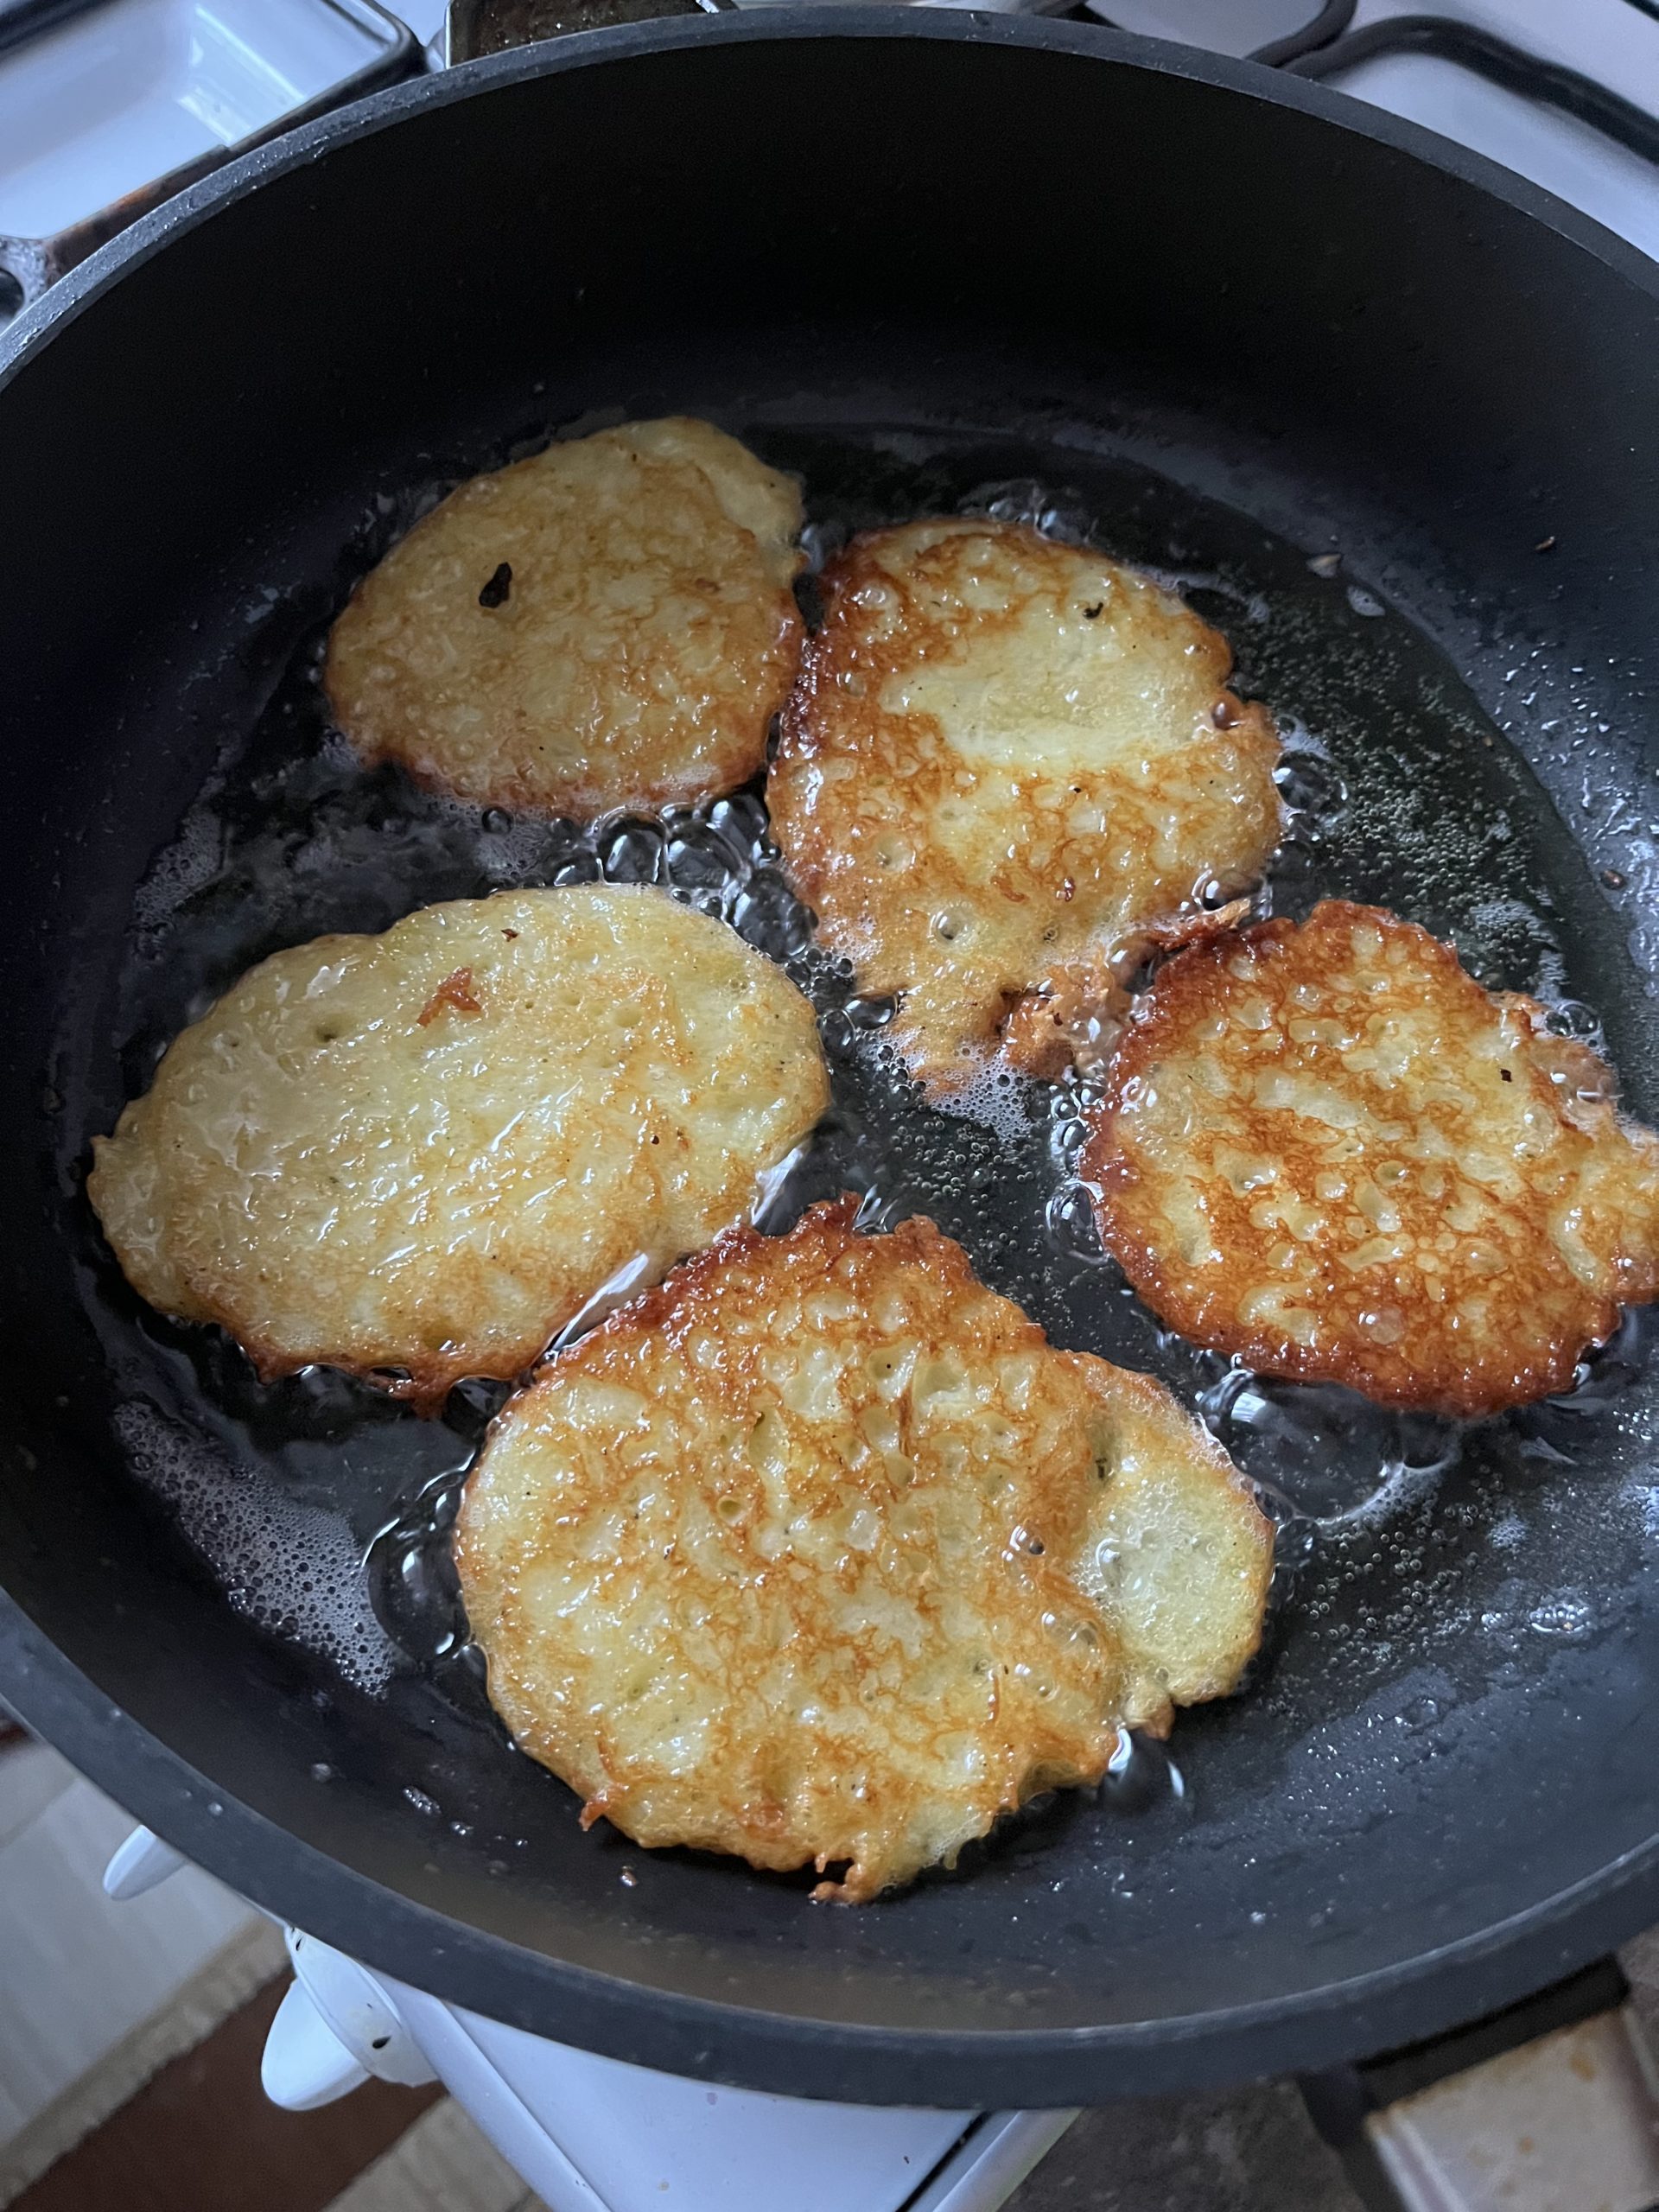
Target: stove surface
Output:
[{"x": 1615, "y": 43}]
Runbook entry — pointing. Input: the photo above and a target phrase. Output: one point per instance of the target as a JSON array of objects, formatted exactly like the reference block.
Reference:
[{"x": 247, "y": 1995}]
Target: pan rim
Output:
[
  {"x": 809, "y": 19},
  {"x": 794, "y": 2055}
]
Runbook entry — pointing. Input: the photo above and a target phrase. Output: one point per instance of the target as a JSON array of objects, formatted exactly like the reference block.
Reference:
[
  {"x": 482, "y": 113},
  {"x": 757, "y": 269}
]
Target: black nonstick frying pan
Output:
[{"x": 1236, "y": 325}]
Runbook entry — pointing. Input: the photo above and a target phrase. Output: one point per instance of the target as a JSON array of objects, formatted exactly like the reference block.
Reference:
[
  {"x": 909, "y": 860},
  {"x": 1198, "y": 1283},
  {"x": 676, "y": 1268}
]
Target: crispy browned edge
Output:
[
  {"x": 1109, "y": 1173},
  {"x": 654, "y": 1307},
  {"x": 1040, "y": 1030},
  {"x": 426, "y": 1387}
]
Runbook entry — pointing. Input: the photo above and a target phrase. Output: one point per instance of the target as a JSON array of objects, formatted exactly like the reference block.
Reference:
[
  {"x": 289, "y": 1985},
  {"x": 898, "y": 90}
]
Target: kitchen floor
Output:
[{"x": 130, "y": 2040}]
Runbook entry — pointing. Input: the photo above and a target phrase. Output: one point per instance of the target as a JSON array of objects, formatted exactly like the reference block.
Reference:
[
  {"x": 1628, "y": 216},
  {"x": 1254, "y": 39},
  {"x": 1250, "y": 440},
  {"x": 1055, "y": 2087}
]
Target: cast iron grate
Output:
[{"x": 1325, "y": 46}]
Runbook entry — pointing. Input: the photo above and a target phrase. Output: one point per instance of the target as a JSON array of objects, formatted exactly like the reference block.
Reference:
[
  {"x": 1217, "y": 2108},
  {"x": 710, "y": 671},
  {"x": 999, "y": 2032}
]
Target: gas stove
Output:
[
  {"x": 1564, "y": 92},
  {"x": 1567, "y": 93}
]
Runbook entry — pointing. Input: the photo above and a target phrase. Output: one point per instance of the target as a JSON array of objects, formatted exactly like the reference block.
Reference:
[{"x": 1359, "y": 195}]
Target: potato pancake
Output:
[
  {"x": 1009, "y": 765},
  {"x": 819, "y": 1554},
  {"x": 416, "y": 1156},
  {"x": 610, "y": 624},
  {"x": 1327, "y": 1150}
]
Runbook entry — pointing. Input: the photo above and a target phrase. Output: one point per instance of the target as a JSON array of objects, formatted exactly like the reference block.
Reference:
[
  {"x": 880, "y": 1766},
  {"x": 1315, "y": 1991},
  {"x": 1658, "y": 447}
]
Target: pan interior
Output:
[
  {"x": 322, "y": 1510},
  {"x": 1441, "y": 1735}
]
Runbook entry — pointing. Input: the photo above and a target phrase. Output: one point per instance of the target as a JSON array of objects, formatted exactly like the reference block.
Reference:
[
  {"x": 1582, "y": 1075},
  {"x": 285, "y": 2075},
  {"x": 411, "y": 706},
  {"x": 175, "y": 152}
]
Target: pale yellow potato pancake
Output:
[
  {"x": 610, "y": 624},
  {"x": 417, "y": 1155},
  {"x": 1010, "y": 765},
  {"x": 1324, "y": 1149},
  {"x": 820, "y": 1554}
]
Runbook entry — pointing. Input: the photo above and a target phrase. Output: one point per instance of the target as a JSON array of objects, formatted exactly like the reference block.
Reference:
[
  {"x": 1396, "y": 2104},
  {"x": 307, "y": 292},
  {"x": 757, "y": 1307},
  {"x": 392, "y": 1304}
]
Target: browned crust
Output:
[
  {"x": 1544, "y": 1317},
  {"x": 1054, "y": 1008},
  {"x": 456, "y": 995},
  {"x": 822, "y": 1229},
  {"x": 564, "y": 710},
  {"x": 730, "y": 1807},
  {"x": 421, "y": 1380},
  {"x": 204, "y": 1270},
  {"x": 1068, "y": 1024},
  {"x": 425, "y": 1385}
]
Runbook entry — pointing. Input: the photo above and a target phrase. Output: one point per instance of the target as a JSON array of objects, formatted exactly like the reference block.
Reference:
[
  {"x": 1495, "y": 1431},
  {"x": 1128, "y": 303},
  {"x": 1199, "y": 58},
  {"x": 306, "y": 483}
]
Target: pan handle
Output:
[{"x": 1551, "y": 2106}]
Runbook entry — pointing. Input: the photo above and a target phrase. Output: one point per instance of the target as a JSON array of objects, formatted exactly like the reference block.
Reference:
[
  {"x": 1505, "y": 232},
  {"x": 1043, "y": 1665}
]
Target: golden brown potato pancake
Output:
[
  {"x": 1327, "y": 1150},
  {"x": 819, "y": 1554},
  {"x": 609, "y": 624},
  {"x": 1009, "y": 765},
  {"x": 425, "y": 1152}
]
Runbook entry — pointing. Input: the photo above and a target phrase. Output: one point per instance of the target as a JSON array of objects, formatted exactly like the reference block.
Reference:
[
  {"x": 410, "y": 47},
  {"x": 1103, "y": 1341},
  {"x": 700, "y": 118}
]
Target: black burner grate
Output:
[
  {"x": 1549, "y": 83},
  {"x": 1325, "y": 46}
]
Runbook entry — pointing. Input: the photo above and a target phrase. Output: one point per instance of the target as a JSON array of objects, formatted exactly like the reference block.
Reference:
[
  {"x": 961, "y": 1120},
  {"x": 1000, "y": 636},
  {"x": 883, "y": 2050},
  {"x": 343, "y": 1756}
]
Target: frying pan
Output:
[{"x": 1244, "y": 325}]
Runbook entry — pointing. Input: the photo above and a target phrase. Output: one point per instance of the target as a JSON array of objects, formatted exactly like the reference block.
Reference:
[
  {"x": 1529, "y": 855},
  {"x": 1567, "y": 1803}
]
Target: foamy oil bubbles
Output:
[{"x": 291, "y": 1567}]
